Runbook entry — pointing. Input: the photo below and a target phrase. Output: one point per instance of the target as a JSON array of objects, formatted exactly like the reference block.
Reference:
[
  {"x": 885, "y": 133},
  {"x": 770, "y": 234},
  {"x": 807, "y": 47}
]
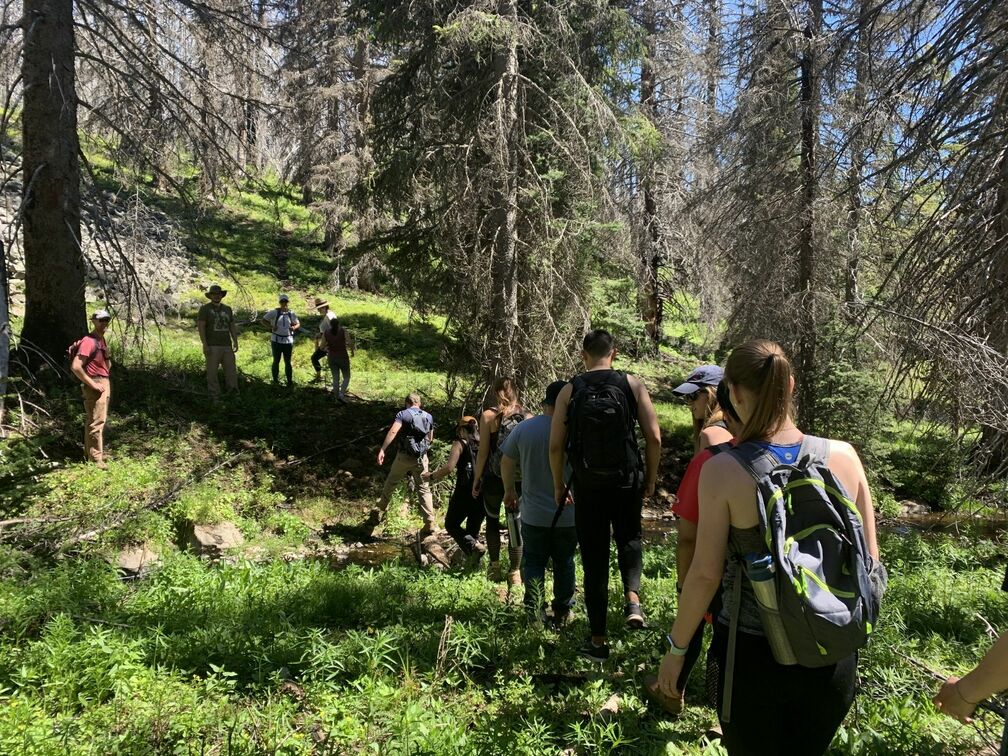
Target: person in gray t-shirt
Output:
[{"x": 527, "y": 449}]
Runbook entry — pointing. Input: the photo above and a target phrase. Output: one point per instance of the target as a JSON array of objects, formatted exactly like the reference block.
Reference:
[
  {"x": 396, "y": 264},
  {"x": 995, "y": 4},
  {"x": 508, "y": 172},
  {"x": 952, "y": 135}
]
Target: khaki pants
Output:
[
  {"x": 95, "y": 414},
  {"x": 215, "y": 357},
  {"x": 402, "y": 466}
]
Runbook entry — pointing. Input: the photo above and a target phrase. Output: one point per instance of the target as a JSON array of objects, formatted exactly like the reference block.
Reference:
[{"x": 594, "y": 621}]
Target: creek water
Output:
[{"x": 659, "y": 529}]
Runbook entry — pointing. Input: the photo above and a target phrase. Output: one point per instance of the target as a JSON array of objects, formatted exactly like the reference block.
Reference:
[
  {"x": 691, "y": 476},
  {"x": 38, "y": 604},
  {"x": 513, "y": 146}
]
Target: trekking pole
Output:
[
  {"x": 562, "y": 504},
  {"x": 987, "y": 705}
]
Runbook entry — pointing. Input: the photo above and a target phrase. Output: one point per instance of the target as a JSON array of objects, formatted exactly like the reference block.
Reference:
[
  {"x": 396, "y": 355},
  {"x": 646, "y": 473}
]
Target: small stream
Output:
[{"x": 659, "y": 531}]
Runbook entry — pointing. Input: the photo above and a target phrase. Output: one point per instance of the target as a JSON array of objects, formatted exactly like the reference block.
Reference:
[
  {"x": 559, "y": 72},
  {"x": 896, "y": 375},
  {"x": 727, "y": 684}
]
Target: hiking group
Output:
[
  {"x": 784, "y": 521},
  {"x": 776, "y": 549}
]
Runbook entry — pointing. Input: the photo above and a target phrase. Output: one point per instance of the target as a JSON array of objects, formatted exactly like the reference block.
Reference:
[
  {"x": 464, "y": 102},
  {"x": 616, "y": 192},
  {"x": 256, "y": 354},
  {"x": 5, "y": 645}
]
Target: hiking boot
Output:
[
  {"x": 101, "y": 464},
  {"x": 428, "y": 529},
  {"x": 595, "y": 653},
  {"x": 494, "y": 574},
  {"x": 634, "y": 616},
  {"x": 341, "y": 399},
  {"x": 564, "y": 618},
  {"x": 671, "y": 705},
  {"x": 514, "y": 578},
  {"x": 714, "y": 732}
]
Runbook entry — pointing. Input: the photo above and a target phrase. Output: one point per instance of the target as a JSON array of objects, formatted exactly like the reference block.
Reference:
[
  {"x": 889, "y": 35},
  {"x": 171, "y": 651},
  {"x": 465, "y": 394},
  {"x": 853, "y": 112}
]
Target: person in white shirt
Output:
[
  {"x": 327, "y": 316},
  {"x": 283, "y": 324}
]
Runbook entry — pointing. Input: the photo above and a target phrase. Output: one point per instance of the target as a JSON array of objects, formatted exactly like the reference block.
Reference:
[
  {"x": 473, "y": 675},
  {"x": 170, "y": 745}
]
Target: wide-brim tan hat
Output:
[
  {"x": 320, "y": 303},
  {"x": 215, "y": 289}
]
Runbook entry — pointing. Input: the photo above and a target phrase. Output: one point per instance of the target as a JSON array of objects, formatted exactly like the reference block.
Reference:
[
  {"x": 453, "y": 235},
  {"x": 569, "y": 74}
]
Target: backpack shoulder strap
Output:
[
  {"x": 716, "y": 449},
  {"x": 817, "y": 449},
  {"x": 756, "y": 460},
  {"x": 729, "y": 672}
]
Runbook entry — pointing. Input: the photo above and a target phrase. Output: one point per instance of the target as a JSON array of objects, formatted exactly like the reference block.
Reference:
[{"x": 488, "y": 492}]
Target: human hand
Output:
[
  {"x": 381, "y": 457},
  {"x": 950, "y": 700},
  {"x": 510, "y": 500},
  {"x": 477, "y": 488},
  {"x": 427, "y": 476},
  {"x": 668, "y": 674},
  {"x": 235, "y": 347},
  {"x": 206, "y": 350},
  {"x": 562, "y": 496},
  {"x": 649, "y": 490},
  {"x": 99, "y": 387}
]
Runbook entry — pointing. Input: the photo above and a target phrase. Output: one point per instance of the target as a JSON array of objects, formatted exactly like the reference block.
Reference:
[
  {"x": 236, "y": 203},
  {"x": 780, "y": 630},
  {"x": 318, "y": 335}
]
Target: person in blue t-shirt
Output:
[
  {"x": 413, "y": 432},
  {"x": 527, "y": 448}
]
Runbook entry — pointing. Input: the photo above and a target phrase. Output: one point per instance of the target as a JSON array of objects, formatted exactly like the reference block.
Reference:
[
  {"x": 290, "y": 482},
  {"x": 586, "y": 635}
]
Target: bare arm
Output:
[
  {"x": 558, "y": 441},
  {"x": 685, "y": 548},
  {"x": 958, "y": 697},
  {"x": 647, "y": 418},
  {"x": 449, "y": 464},
  {"x": 77, "y": 368},
  {"x": 707, "y": 565},
  {"x": 508, "y": 476},
  {"x": 393, "y": 431},
  {"x": 201, "y": 327},
  {"x": 485, "y": 430},
  {"x": 233, "y": 329},
  {"x": 846, "y": 464}
]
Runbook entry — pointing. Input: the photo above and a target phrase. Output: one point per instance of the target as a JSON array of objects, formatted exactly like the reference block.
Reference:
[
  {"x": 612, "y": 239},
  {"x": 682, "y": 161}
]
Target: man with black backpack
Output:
[
  {"x": 594, "y": 424},
  {"x": 413, "y": 432}
]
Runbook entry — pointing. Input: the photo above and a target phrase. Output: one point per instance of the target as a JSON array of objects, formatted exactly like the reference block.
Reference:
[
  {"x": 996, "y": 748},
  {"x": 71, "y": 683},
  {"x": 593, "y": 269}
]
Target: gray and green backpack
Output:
[{"x": 826, "y": 591}]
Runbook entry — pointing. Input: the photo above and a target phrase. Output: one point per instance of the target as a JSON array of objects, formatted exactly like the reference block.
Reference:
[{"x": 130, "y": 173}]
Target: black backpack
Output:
[
  {"x": 601, "y": 442},
  {"x": 414, "y": 437}
]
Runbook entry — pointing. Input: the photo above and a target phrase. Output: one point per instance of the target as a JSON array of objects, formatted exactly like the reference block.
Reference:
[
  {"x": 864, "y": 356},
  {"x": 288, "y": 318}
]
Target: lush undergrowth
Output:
[
  {"x": 271, "y": 650},
  {"x": 297, "y": 658}
]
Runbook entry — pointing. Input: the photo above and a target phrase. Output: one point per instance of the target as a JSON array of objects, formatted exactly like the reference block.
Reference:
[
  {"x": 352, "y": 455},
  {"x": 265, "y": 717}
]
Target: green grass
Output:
[{"x": 272, "y": 651}]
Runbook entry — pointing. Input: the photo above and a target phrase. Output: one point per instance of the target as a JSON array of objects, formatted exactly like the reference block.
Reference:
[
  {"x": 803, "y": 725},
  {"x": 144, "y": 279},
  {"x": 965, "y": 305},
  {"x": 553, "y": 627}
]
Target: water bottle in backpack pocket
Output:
[{"x": 759, "y": 568}]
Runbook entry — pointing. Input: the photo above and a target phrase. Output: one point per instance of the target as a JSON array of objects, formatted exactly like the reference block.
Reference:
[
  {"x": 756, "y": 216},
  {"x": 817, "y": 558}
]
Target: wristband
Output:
[
  {"x": 674, "y": 649},
  {"x": 959, "y": 693}
]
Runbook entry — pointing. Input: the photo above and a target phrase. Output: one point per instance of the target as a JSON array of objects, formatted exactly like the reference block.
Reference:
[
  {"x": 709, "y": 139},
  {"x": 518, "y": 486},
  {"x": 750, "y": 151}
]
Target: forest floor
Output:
[{"x": 284, "y": 644}]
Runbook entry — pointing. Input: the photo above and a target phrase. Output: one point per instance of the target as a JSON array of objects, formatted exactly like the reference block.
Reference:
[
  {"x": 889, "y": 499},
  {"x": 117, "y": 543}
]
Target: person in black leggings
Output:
[
  {"x": 465, "y": 512},
  {"x": 771, "y": 708}
]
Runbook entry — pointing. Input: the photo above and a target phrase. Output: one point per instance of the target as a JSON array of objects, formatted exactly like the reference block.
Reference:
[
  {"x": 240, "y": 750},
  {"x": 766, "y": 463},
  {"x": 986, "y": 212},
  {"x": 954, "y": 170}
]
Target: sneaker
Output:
[
  {"x": 634, "y": 615},
  {"x": 563, "y": 619},
  {"x": 596, "y": 653},
  {"x": 494, "y": 574},
  {"x": 341, "y": 399}
]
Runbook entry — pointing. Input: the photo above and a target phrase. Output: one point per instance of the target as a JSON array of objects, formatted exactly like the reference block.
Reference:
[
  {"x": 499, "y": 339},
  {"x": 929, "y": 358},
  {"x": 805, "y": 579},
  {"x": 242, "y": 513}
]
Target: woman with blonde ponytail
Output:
[{"x": 774, "y": 708}]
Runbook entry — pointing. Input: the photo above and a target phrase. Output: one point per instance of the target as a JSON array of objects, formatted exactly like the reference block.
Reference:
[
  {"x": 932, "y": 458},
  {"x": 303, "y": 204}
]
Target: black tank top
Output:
[{"x": 464, "y": 470}]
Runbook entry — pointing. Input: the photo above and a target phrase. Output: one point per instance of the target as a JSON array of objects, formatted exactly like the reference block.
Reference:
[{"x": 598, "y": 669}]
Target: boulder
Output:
[
  {"x": 909, "y": 508},
  {"x": 212, "y": 540},
  {"x": 135, "y": 561}
]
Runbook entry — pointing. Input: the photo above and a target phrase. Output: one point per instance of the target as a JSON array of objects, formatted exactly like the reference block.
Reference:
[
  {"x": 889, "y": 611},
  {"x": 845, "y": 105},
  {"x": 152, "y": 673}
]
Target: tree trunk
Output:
[
  {"x": 857, "y": 160},
  {"x": 810, "y": 104},
  {"x": 651, "y": 301},
  {"x": 54, "y": 265},
  {"x": 504, "y": 278},
  {"x": 994, "y": 441},
  {"x": 4, "y": 333}
]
